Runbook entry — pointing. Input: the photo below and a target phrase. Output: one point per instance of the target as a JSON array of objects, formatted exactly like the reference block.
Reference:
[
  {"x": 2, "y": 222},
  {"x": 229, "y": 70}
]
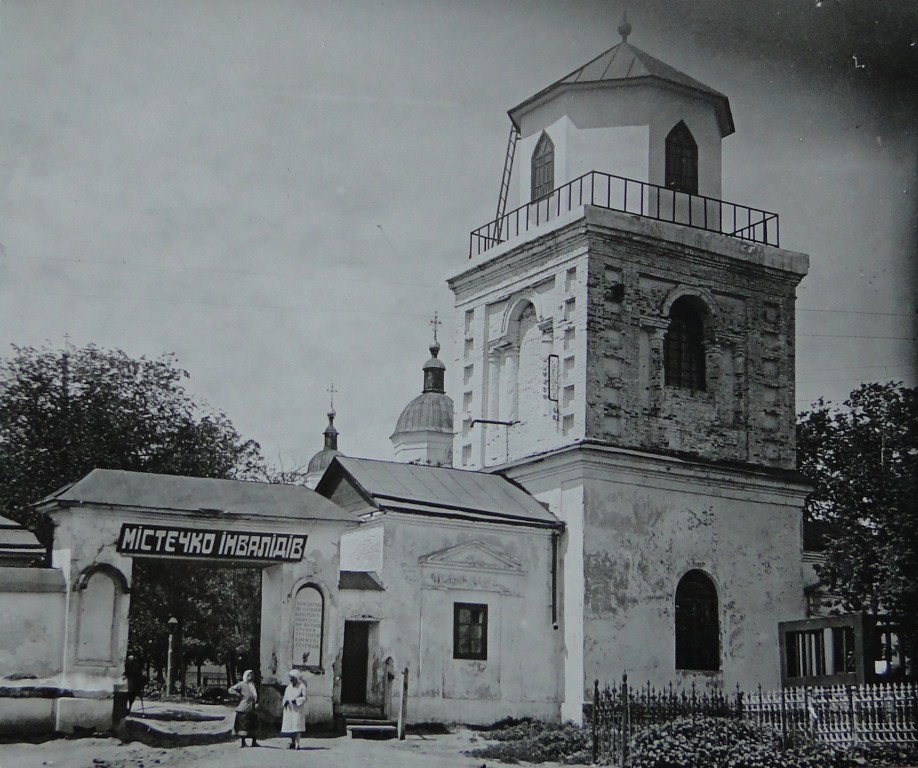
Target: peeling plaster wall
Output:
[
  {"x": 279, "y": 585},
  {"x": 32, "y": 604},
  {"x": 601, "y": 283},
  {"x": 430, "y": 565},
  {"x": 646, "y": 522},
  {"x": 746, "y": 412}
]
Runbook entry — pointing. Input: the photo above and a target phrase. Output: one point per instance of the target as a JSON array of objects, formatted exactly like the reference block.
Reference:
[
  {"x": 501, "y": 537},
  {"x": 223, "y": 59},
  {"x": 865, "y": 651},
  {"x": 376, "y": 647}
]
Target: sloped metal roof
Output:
[
  {"x": 17, "y": 543},
  {"x": 119, "y": 488},
  {"x": 444, "y": 492},
  {"x": 623, "y": 63}
]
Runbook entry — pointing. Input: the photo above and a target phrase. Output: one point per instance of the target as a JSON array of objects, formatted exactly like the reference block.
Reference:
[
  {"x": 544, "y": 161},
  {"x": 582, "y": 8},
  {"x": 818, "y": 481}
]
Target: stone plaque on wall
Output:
[{"x": 307, "y": 628}]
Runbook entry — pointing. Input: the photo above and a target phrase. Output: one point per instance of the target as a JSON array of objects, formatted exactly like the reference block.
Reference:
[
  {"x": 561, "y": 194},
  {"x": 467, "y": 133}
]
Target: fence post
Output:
[
  {"x": 739, "y": 703},
  {"x": 783, "y": 722},
  {"x": 852, "y": 710},
  {"x": 626, "y": 720},
  {"x": 595, "y": 715},
  {"x": 403, "y": 707}
]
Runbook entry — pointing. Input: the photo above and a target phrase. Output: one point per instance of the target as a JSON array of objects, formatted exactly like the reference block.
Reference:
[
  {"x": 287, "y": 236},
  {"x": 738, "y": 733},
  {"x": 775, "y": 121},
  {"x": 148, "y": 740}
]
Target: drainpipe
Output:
[{"x": 554, "y": 578}]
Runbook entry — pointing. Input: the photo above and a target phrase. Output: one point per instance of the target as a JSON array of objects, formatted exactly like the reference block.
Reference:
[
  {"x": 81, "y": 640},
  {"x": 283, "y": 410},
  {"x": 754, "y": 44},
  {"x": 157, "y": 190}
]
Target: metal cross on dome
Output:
[
  {"x": 331, "y": 391},
  {"x": 435, "y": 324}
]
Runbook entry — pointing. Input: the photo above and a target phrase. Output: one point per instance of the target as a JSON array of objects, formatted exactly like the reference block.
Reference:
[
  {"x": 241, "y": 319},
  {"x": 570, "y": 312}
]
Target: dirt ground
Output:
[{"x": 440, "y": 751}]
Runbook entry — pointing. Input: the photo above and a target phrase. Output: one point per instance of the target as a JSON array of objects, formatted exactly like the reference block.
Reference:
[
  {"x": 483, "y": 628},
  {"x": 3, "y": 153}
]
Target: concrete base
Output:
[
  {"x": 82, "y": 714},
  {"x": 27, "y": 715}
]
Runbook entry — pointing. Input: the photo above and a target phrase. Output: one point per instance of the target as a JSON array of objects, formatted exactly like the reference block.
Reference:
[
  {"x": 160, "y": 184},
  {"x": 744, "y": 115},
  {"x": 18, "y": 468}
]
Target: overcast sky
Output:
[{"x": 274, "y": 191}]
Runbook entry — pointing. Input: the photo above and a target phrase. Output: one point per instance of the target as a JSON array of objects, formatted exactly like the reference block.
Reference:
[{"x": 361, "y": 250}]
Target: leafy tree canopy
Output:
[
  {"x": 863, "y": 461},
  {"x": 65, "y": 412}
]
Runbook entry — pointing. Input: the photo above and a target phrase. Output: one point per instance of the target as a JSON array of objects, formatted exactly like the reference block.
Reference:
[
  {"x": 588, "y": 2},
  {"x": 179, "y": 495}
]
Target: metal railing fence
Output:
[
  {"x": 617, "y": 193},
  {"x": 843, "y": 715}
]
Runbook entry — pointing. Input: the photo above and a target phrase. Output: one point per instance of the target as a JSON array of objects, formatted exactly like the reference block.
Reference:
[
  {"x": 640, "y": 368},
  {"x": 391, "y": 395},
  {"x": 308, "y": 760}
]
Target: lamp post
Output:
[{"x": 172, "y": 624}]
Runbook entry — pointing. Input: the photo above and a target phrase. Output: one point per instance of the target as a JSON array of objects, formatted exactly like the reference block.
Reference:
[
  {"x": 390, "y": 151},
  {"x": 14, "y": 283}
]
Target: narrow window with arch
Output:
[
  {"x": 543, "y": 167},
  {"x": 308, "y": 627},
  {"x": 697, "y": 623},
  {"x": 683, "y": 345},
  {"x": 681, "y": 173}
]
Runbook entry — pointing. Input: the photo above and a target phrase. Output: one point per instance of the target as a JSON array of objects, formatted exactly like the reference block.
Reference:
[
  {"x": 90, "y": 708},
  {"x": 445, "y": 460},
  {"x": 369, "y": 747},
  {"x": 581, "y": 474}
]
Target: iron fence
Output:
[
  {"x": 841, "y": 714},
  {"x": 838, "y": 715},
  {"x": 617, "y": 193},
  {"x": 619, "y": 710}
]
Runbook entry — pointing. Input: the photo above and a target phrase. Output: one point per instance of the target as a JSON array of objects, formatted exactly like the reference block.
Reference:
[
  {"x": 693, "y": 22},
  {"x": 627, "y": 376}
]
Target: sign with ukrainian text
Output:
[{"x": 166, "y": 541}]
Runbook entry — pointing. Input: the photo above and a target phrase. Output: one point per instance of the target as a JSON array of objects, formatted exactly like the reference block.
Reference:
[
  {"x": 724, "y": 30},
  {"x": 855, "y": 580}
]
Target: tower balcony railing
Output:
[{"x": 616, "y": 193}]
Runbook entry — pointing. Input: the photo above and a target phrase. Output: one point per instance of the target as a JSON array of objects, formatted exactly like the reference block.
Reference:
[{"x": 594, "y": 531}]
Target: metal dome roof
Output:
[
  {"x": 321, "y": 460},
  {"x": 428, "y": 412}
]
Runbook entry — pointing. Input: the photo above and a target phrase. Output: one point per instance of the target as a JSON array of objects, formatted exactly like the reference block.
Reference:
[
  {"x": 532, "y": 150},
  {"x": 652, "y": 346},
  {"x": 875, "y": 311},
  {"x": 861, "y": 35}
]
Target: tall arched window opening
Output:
[
  {"x": 308, "y": 627},
  {"x": 697, "y": 623},
  {"x": 681, "y": 172},
  {"x": 683, "y": 345},
  {"x": 543, "y": 167}
]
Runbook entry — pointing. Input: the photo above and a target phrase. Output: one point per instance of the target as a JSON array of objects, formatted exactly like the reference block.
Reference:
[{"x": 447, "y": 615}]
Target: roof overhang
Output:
[{"x": 718, "y": 101}]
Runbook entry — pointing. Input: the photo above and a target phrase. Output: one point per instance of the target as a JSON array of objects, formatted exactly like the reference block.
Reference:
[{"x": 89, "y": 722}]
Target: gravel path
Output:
[{"x": 442, "y": 751}]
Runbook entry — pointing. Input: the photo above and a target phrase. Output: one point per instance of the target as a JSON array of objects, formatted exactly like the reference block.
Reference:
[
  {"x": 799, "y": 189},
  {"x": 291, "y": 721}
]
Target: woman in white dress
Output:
[{"x": 294, "y": 722}]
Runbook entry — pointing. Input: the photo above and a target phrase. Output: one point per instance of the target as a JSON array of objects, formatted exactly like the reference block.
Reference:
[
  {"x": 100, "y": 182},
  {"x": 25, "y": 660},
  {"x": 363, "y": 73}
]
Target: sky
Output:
[{"x": 275, "y": 191}]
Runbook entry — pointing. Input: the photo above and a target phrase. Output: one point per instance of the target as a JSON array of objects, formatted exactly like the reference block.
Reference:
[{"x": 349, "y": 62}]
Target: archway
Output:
[{"x": 111, "y": 523}]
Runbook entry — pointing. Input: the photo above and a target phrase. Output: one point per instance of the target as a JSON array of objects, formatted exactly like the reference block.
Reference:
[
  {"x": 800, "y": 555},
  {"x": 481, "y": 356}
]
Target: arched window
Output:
[
  {"x": 543, "y": 167},
  {"x": 308, "y": 627},
  {"x": 697, "y": 623},
  {"x": 683, "y": 345},
  {"x": 681, "y": 160},
  {"x": 97, "y": 628}
]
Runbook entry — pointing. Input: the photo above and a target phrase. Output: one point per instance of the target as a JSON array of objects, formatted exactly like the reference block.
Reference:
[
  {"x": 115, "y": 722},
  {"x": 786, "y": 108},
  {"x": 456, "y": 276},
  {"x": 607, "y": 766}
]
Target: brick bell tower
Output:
[{"x": 625, "y": 348}]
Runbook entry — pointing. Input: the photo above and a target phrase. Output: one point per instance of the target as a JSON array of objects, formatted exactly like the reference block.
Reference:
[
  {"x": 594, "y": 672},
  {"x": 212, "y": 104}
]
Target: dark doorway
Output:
[
  {"x": 217, "y": 630},
  {"x": 354, "y": 662}
]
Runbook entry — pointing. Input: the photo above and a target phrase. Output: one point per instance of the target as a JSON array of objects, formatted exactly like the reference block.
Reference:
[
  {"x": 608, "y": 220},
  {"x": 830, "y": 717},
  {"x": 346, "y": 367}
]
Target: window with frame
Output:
[
  {"x": 543, "y": 167},
  {"x": 697, "y": 623},
  {"x": 470, "y": 631},
  {"x": 805, "y": 653},
  {"x": 681, "y": 171},
  {"x": 683, "y": 345}
]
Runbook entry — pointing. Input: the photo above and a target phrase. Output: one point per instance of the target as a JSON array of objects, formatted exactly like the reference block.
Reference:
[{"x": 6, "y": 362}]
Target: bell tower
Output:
[
  {"x": 623, "y": 301},
  {"x": 625, "y": 352}
]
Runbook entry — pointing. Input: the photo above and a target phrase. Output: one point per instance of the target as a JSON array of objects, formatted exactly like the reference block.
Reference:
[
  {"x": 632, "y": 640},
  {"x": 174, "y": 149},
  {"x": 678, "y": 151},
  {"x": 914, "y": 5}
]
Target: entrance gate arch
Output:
[{"x": 110, "y": 517}]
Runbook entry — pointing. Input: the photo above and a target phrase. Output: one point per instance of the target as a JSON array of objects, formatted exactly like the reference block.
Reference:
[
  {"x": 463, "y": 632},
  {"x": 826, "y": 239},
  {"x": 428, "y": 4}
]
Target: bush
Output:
[
  {"x": 537, "y": 742},
  {"x": 717, "y": 742}
]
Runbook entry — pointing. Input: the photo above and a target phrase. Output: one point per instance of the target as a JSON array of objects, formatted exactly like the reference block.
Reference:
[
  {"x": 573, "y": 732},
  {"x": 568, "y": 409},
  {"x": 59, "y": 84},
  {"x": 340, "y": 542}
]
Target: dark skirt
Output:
[{"x": 246, "y": 723}]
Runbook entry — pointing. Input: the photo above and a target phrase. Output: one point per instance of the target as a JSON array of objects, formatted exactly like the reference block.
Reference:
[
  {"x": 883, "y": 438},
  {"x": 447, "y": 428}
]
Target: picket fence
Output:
[{"x": 839, "y": 715}]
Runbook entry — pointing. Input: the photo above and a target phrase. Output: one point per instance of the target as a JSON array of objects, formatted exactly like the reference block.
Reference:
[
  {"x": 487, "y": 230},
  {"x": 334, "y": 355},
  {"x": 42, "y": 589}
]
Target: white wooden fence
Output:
[{"x": 842, "y": 714}]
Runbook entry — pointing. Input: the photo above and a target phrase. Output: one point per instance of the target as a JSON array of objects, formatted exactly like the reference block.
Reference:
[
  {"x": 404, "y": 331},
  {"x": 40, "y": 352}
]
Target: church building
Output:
[
  {"x": 625, "y": 355},
  {"x": 612, "y": 490}
]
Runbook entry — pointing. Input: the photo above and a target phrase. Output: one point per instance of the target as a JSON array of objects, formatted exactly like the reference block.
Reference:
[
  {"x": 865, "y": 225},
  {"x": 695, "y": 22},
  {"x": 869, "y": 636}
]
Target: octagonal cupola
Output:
[
  {"x": 424, "y": 431},
  {"x": 623, "y": 113}
]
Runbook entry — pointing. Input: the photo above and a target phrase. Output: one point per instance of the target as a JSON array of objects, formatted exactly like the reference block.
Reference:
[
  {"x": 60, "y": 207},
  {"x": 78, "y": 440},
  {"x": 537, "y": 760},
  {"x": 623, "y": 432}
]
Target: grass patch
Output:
[{"x": 535, "y": 742}]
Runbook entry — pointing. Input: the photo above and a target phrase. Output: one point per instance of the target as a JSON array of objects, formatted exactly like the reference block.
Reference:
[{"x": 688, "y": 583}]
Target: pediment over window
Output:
[{"x": 472, "y": 555}]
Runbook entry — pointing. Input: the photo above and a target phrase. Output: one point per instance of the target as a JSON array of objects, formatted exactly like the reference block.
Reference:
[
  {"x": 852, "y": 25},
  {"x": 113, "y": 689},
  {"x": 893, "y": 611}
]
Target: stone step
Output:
[
  {"x": 369, "y": 721},
  {"x": 382, "y": 729}
]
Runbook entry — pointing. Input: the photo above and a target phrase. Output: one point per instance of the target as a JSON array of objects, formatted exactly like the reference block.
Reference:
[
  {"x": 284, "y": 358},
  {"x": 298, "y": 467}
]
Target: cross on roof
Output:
[
  {"x": 435, "y": 324},
  {"x": 331, "y": 391}
]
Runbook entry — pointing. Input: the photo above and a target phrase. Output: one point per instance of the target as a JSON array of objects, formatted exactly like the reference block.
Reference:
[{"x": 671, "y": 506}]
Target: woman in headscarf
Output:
[
  {"x": 246, "y": 717},
  {"x": 294, "y": 722}
]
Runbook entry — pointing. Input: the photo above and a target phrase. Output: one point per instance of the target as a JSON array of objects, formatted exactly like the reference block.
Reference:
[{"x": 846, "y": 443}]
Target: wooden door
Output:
[{"x": 354, "y": 662}]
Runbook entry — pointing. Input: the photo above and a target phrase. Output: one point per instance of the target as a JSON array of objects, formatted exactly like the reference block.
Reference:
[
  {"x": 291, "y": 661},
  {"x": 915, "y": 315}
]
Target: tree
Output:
[
  {"x": 64, "y": 413},
  {"x": 863, "y": 462}
]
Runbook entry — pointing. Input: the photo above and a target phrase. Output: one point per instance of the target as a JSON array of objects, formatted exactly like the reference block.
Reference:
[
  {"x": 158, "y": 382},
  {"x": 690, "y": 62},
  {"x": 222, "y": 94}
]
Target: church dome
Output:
[
  {"x": 320, "y": 461},
  {"x": 432, "y": 410},
  {"x": 428, "y": 412}
]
